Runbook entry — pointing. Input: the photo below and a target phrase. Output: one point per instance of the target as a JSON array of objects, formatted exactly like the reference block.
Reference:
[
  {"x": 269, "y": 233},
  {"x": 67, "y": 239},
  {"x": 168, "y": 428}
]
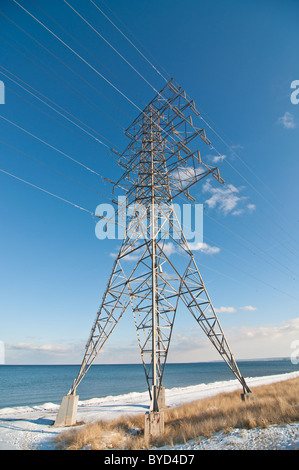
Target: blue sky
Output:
[{"x": 237, "y": 60}]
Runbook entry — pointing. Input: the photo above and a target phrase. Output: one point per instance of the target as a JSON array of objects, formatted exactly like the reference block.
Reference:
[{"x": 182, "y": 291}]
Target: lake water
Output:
[{"x": 38, "y": 384}]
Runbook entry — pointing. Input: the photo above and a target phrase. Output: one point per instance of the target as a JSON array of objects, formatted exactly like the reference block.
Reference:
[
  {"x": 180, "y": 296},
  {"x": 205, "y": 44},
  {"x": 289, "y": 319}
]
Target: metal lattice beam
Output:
[{"x": 160, "y": 163}]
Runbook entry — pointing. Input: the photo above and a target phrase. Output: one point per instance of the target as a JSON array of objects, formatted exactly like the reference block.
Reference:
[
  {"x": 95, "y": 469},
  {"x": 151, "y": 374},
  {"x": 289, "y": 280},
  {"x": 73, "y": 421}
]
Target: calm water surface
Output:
[{"x": 37, "y": 384}]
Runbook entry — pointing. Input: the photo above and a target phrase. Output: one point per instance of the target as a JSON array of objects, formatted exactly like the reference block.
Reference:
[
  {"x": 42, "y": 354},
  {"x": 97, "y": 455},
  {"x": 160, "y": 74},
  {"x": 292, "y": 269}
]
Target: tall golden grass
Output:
[{"x": 273, "y": 404}]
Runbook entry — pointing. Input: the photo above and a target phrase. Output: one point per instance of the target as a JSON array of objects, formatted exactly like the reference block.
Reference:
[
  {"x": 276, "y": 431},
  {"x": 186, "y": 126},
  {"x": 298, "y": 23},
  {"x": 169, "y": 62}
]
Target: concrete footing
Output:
[
  {"x": 247, "y": 397},
  {"x": 153, "y": 424},
  {"x": 67, "y": 413},
  {"x": 161, "y": 399}
]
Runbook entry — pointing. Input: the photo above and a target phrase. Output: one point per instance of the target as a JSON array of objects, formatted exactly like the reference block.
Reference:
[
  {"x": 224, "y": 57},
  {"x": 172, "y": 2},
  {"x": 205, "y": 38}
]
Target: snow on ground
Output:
[
  {"x": 283, "y": 437},
  {"x": 31, "y": 427}
]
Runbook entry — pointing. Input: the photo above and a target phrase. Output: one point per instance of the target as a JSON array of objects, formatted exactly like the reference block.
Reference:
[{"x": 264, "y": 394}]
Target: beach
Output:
[{"x": 31, "y": 427}]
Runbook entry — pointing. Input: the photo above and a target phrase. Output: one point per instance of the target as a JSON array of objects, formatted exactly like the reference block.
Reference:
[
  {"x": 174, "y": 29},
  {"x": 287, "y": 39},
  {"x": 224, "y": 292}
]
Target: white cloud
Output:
[
  {"x": 272, "y": 332},
  {"x": 225, "y": 310},
  {"x": 237, "y": 146},
  {"x": 233, "y": 309},
  {"x": 46, "y": 348},
  {"x": 216, "y": 158},
  {"x": 226, "y": 199},
  {"x": 251, "y": 207},
  {"x": 169, "y": 249},
  {"x": 128, "y": 257},
  {"x": 186, "y": 173},
  {"x": 238, "y": 212},
  {"x": 204, "y": 248},
  {"x": 287, "y": 121},
  {"x": 246, "y": 342}
]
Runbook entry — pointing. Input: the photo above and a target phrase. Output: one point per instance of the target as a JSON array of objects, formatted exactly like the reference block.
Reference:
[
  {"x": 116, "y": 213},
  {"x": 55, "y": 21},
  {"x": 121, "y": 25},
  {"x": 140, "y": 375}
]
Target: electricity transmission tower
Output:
[{"x": 160, "y": 164}]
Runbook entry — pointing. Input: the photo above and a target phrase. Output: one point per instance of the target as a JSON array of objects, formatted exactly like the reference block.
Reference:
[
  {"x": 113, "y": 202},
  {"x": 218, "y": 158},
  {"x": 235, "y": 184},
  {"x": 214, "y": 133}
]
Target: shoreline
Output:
[
  {"x": 29, "y": 427},
  {"x": 31, "y": 385}
]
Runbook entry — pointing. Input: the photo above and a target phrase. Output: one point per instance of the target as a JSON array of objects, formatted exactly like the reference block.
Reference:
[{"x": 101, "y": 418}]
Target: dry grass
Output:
[{"x": 273, "y": 404}]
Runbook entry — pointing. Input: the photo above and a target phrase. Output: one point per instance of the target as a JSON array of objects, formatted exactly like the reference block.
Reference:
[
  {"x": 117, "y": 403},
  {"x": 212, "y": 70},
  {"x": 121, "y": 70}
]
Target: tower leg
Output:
[
  {"x": 111, "y": 310},
  {"x": 67, "y": 414},
  {"x": 158, "y": 398},
  {"x": 196, "y": 299}
]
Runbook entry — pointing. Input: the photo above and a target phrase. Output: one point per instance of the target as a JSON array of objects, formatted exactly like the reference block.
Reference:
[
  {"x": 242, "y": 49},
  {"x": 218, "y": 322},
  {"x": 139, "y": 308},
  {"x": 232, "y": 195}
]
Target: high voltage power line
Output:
[
  {"x": 95, "y": 89},
  {"x": 46, "y": 191},
  {"x": 87, "y": 63},
  {"x": 109, "y": 81},
  {"x": 205, "y": 121},
  {"x": 80, "y": 57},
  {"x": 210, "y": 127},
  {"x": 52, "y": 147},
  {"x": 158, "y": 149},
  {"x": 74, "y": 52},
  {"x": 58, "y": 112}
]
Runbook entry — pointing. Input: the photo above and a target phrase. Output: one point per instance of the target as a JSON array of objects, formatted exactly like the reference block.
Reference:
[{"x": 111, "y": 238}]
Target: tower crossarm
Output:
[{"x": 172, "y": 133}]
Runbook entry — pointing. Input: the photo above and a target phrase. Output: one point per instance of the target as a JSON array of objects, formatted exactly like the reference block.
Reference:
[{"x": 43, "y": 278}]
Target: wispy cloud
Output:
[
  {"x": 42, "y": 348},
  {"x": 225, "y": 310},
  {"x": 237, "y": 147},
  {"x": 238, "y": 212},
  {"x": 247, "y": 342},
  {"x": 128, "y": 257},
  {"x": 249, "y": 308},
  {"x": 204, "y": 248},
  {"x": 169, "y": 249},
  {"x": 225, "y": 199},
  {"x": 251, "y": 207},
  {"x": 185, "y": 173},
  {"x": 283, "y": 330},
  {"x": 287, "y": 121},
  {"x": 216, "y": 158}
]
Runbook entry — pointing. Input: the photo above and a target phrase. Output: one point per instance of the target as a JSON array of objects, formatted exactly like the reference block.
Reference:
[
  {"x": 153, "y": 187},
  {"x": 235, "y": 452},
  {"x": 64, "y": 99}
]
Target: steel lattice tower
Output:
[{"x": 160, "y": 163}]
